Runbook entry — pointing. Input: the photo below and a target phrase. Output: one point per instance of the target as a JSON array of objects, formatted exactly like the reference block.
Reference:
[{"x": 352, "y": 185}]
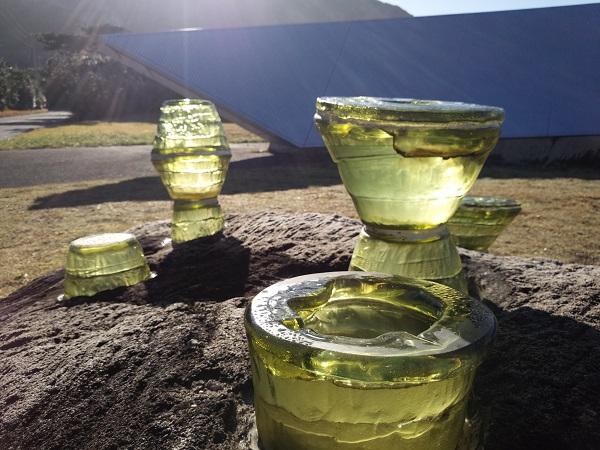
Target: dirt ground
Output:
[
  {"x": 560, "y": 218},
  {"x": 164, "y": 364}
]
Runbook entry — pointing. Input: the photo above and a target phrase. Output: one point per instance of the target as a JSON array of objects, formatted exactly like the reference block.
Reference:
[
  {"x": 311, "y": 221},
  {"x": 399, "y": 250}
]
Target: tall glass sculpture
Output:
[
  {"x": 407, "y": 164},
  {"x": 192, "y": 155},
  {"x": 361, "y": 361}
]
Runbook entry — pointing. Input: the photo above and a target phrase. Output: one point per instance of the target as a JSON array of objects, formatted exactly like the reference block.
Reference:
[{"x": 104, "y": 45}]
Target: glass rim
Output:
[
  {"x": 471, "y": 201},
  {"x": 389, "y": 109},
  {"x": 269, "y": 309},
  {"x": 186, "y": 101},
  {"x": 98, "y": 243}
]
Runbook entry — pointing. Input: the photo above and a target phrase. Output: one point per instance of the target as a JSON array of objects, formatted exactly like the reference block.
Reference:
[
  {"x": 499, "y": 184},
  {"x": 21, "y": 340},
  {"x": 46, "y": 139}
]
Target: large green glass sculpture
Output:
[
  {"x": 192, "y": 156},
  {"x": 102, "y": 262},
  {"x": 479, "y": 221},
  {"x": 407, "y": 164},
  {"x": 360, "y": 361}
]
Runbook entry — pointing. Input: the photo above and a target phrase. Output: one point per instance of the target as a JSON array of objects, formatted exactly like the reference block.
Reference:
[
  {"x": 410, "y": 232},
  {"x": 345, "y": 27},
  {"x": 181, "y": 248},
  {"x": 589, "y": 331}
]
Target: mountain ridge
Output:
[{"x": 21, "y": 19}]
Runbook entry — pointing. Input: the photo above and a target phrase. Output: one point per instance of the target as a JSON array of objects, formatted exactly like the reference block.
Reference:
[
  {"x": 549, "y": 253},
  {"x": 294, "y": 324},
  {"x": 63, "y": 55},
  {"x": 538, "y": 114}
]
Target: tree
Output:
[
  {"x": 5, "y": 85},
  {"x": 20, "y": 88},
  {"x": 87, "y": 41},
  {"x": 92, "y": 85}
]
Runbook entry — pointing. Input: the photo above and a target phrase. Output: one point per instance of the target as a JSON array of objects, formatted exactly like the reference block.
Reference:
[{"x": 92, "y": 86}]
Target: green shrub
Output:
[
  {"x": 20, "y": 88},
  {"x": 94, "y": 86}
]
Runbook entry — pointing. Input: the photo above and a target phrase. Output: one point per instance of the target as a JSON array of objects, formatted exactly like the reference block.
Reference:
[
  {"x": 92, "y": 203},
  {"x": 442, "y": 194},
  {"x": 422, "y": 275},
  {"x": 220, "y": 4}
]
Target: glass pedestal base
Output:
[
  {"x": 427, "y": 254},
  {"x": 196, "y": 219}
]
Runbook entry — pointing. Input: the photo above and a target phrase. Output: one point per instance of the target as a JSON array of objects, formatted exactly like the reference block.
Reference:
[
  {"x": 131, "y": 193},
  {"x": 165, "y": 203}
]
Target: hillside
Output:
[{"x": 20, "y": 19}]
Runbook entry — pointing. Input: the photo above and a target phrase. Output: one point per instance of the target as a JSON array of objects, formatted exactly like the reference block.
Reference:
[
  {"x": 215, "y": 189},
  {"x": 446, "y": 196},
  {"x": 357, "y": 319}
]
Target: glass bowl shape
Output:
[
  {"x": 479, "y": 221},
  {"x": 356, "y": 360},
  {"x": 102, "y": 262},
  {"x": 189, "y": 124},
  {"x": 405, "y": 162},
  {"x": 196, "y": 219}
]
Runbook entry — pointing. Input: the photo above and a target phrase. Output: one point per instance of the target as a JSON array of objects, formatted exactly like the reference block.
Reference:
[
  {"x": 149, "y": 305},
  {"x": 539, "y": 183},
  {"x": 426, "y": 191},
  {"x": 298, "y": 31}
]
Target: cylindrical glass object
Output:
[
  {"x": 192, "y": 177},
  {"x": 192, "y": 156},
  {"x": 102, "y": 262},
  {"x": 479, "y": 221},
  {"x": 407, "y": 164},
  {"x": 413, "y": 253},
  {"x": 193, "y": 219},
  {"x": 188, "y": 124},
  {"x": 355, "y": 360}
]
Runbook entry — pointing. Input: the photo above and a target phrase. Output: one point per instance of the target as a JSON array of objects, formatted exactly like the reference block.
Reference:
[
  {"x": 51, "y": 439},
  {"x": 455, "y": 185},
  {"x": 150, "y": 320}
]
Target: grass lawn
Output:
[
  {"x": 100, "y": 134},
  {"x": 559, "y": 219}
]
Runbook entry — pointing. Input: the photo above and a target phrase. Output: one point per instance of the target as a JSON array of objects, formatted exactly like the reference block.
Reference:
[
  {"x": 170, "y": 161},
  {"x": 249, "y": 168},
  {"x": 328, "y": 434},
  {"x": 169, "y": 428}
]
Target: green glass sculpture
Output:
[
  {"x": 192, "y": 156},
  {"x": 407, "y": 164},
  {"x": 102, "y": 262},
  {"x": 192, "y": 219},
  {"x": 480, "y": 220},
  {"x": 362, "y": 361}
]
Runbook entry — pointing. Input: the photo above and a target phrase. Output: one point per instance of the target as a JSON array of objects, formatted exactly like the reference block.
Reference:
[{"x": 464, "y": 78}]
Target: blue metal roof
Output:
[{"x": 541, "y": 65}]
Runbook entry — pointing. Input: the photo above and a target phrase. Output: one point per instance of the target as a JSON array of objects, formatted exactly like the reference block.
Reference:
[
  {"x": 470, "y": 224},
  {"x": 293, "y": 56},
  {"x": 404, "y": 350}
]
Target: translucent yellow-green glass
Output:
[
  {"x": 480, "y": 220},
  {"x": 193, "y": 177},
  {"x": 190, "y": 150},
  {"x": 418, "y": 257},
  {"x": 192, "y": 156},
  {"x": 189, "y": 124},
  {"x": 407, "y": 164},
  {"x": 102, "y": 262},
  {"x": 354, "y": 360},
  {"x": 196, "y": 219}
]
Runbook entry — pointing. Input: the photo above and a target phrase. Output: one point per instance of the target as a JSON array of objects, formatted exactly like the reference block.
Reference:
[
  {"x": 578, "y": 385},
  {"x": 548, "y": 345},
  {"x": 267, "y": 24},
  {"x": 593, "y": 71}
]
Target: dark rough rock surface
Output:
[{"x": 164, "y": 364}]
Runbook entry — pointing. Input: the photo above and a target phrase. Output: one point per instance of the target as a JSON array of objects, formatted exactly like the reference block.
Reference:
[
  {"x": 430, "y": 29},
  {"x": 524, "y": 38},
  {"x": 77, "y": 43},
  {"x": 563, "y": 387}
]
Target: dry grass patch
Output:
[
  {"x": 237, "y": 135},
  {"x": 20, "y": 112},
  {"x": 83, "y": 135},
  {"x": 559, "y": 220},
  {"x": 103, "y": 134}
]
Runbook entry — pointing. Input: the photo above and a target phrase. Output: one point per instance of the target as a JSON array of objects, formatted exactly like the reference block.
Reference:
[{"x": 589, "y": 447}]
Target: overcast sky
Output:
[{"x": 440, "y": 7}]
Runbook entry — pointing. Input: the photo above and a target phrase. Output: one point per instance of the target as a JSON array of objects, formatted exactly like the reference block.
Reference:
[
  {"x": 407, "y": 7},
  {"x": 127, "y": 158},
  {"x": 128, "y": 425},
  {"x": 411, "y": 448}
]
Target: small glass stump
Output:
[
  {"x": 102, "y": 262},
  {"x": 192, "y": 156},
  {"x": 407, "y": 164},
  {"x": 355, "y": 360},
  {"x": 192, "y": 219},
  {"x": 479, "y": 221}
]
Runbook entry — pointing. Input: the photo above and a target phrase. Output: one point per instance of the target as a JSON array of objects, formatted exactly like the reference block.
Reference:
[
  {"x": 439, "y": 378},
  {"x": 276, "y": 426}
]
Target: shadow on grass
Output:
[
  {"x": 258, "y": 173},
  {"x": 266, "y": 172},
  {"x": 142, "y": 189}
]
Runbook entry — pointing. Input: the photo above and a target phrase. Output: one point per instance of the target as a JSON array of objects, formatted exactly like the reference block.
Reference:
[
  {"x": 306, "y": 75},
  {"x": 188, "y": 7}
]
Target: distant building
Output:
[{"x": 541, "y": 65}]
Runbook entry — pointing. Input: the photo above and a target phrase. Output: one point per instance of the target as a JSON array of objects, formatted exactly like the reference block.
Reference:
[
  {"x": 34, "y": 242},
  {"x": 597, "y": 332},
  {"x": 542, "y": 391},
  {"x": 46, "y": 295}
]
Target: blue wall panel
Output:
[
  {"x": 264, "y": 74},
  {"x": 542, "y": 66}
]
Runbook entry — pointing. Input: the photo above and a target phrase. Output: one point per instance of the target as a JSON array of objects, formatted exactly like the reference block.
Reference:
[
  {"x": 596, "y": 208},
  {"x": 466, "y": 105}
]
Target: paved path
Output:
[
  {"x": 42, "y": 166},
  {"x": 13, "y": 125}
]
